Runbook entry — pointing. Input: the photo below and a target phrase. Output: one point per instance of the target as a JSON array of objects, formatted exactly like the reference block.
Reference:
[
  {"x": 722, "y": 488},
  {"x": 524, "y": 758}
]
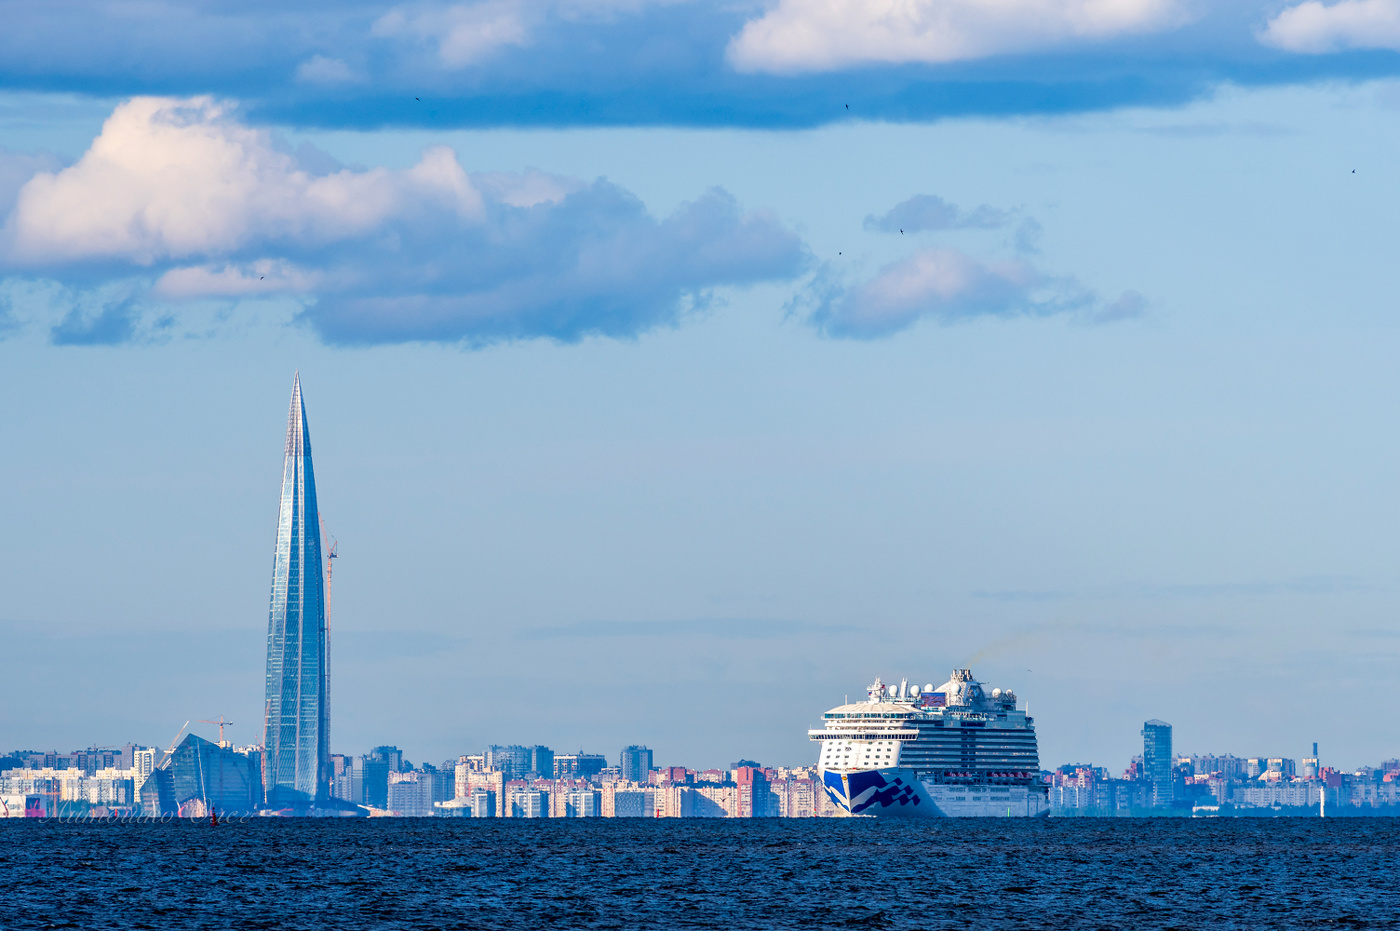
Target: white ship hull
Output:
[{"x": 900, "y": 793}]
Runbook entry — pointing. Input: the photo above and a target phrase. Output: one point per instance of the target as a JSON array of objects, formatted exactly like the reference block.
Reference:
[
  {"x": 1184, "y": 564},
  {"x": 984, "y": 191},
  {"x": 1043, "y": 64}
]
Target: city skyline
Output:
[{"x": 196, "y": 777}]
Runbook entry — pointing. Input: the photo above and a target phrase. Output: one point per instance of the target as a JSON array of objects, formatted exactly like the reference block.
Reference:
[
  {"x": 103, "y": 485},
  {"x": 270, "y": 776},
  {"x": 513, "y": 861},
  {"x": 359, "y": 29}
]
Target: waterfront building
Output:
[
  {"x": 483, "y": 803},
  {"x": 493, "y": 782},
  {"x": 625, "y": 800},
  {"x": 513, "y": 760},
  {"x": 797, "y": 797},
  {"x": 635, "y": 764},
  {"x": 342, "y": 778},
  {"x": 370, "y": 776},
  {"x": 541, "y": 762},
  {"x": 578, "y": 765},
  {"x": 1277, "y": 793},
  {"x": 571, "y": 798},
  {"x": 296, "y": 763},
  {"x": 754, "y": 798},
  {"x": 410, "y": 794},
  {"x": 453, "y": 808},
  {"x": 466, "y": 765},
  {"x": 441, "y": 784},
  {"x": 526, "y": 802},
  {"x": 1227, "y": 767},
  {"x": 1157, "y": 761},
  {"x": 405, "y": 796},
  {"x": 143, "y": 761},
  {"x": 581, "y": 803},
  {"x": 201, "y": 776},
  {"x": 417, "y": 793}
]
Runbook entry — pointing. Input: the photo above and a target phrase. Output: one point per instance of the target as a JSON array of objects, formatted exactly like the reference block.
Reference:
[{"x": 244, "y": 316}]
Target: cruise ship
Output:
[{"x": 952, "y": 751}]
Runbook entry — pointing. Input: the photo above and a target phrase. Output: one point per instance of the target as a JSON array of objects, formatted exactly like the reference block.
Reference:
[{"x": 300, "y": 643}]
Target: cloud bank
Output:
[
  {"x": 1313, "y": 28},
  {"x": 183, "y": 194},
  {"x": 752, "y": 63}
]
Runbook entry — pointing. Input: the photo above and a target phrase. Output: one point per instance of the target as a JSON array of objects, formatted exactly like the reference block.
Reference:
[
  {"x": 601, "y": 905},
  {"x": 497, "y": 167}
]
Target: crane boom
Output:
[
  {"x": 175, "y": 743},
  {"x": 222, "y": 724}
]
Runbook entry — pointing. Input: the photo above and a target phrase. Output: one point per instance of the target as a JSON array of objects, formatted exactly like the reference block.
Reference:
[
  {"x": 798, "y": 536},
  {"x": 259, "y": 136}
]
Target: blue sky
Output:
[{"x": 658, "y": 397}]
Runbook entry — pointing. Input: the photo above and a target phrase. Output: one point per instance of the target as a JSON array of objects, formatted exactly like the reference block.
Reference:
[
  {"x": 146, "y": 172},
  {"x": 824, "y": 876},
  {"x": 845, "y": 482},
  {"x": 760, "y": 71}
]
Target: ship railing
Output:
[
  {"x": 997, "y": 778},
  {"x": 864, "y": 734}
]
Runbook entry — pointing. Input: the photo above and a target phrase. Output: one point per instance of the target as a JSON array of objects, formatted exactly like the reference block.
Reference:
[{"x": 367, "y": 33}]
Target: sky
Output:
[{"x": 673, "y": 369}]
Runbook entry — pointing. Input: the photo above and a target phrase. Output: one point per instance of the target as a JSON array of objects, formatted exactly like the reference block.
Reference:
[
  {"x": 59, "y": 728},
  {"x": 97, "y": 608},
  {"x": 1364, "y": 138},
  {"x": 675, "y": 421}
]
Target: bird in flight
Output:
[
  {"x": 901, "y": 232},
  {"x": 1353, "y": 171},
  {"x": 261, "y": 277},
  {"x": 416, "y": 98}
]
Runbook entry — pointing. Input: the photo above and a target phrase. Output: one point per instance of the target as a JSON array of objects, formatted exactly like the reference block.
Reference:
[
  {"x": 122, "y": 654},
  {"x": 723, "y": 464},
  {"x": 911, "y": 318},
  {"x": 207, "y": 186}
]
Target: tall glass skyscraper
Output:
[
  {"x": 296, "y": 756},
  {"x": 1157, "y": 761}
]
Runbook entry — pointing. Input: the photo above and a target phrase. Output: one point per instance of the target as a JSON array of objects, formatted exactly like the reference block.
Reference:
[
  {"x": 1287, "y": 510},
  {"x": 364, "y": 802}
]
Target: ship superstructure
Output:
[{"x": 955, "y": 750}]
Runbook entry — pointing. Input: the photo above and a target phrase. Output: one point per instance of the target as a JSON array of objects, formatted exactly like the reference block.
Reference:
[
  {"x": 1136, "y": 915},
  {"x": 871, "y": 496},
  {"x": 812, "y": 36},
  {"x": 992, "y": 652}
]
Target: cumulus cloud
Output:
[
  {"x": 1315, "y": 28},
  {"x": 205, "y": 206},
  {"x": 827, "y": 35},
  {"x": 948, "y": 286},
  {"x": 167, "y": 179},
  {"x": 16, "y": 168},
  {"x": 930, "y": 212}
]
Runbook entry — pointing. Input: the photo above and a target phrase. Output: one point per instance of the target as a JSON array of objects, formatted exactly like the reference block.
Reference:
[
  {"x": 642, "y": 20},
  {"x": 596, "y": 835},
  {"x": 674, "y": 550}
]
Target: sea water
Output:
[{"x": 1247, "y": 873}]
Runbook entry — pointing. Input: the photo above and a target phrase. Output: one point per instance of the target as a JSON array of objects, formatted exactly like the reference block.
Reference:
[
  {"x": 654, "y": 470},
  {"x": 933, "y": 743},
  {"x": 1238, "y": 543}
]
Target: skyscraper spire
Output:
[{"x": 296, "y": 758}]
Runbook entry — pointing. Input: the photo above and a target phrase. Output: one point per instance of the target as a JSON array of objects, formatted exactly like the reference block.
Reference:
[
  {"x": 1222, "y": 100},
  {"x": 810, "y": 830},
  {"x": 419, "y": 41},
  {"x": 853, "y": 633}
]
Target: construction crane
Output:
[
  {"x": 331, "y": 555},
  {"x": 175, "y": 743},
  {"x": 330, "y": 566},
  {"x": 222, "y": 724}
]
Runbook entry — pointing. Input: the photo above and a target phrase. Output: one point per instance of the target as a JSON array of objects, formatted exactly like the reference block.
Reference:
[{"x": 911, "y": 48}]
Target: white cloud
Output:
[
  {"x": 464, "y": 33},
  {"x": 169, "y": 178},
  {"x": 318, "y": 69},
  {"x": 825, "y": 35},
  {"x": 16, "y": 168},
  {"x": 1314, "y": 28},
  {"x": 468, "y": 33},
  {"x": 938, "y": 282},
  {"x": 948, "y": 286}
]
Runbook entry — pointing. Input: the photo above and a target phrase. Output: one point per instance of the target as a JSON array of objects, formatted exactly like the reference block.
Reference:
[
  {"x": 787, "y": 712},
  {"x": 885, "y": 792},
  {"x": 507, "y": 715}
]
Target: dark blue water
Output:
[{"x": 390, "y": 873}]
